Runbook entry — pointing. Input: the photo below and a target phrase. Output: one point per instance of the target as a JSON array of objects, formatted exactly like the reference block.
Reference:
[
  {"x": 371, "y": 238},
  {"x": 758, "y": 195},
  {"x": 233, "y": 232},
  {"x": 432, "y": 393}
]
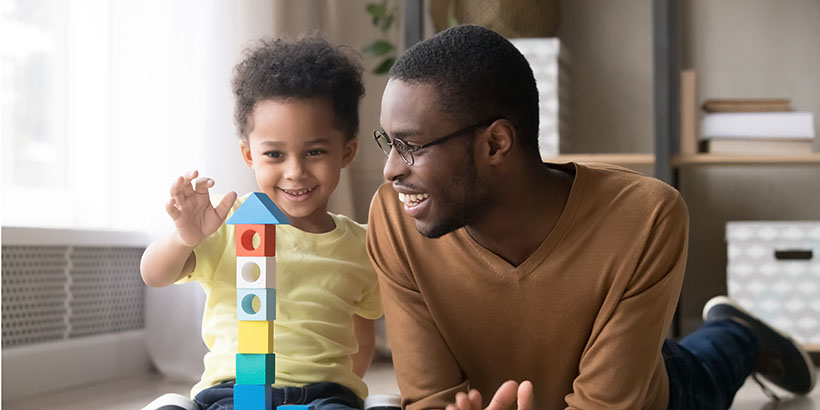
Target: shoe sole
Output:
[{"x": 751, "y": 318}]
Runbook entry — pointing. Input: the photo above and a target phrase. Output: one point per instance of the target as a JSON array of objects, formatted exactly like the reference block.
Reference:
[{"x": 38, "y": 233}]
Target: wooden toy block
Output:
[
  {"x": 252, "y": 396},
  {"x": 266, "y": 237},
  {"x": 255, "y": 337},
  {"x": 296, "y": 407},
  {"x": 245, "y": 306},
  {"x": 258, "y": 209},
  {"x": 255, "y": 272},
  {"x": 255, "y": 368}
]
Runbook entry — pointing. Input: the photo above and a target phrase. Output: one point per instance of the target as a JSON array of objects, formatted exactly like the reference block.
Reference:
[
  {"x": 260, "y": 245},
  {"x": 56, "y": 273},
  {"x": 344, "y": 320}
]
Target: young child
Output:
[{"x": 297, "y": 108}]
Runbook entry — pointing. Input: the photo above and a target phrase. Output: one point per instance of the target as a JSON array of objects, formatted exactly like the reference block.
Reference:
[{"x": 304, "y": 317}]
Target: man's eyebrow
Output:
[{"x": 404, "y": 134}]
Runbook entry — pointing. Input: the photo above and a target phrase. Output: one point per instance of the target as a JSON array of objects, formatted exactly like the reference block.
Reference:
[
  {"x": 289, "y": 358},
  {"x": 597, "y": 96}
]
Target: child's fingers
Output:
[
  {"x": 226, "y": 204},
  {"x": 201, "y": 185},
  {"x": 171, "y": 209},
  {"x": 177, "y": 193},
  {"x": 187, "y": 188}
]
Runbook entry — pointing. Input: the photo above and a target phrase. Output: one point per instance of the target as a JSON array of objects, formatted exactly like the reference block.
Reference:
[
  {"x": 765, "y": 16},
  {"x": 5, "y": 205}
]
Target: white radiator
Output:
[{"x": 73, "y": 309}]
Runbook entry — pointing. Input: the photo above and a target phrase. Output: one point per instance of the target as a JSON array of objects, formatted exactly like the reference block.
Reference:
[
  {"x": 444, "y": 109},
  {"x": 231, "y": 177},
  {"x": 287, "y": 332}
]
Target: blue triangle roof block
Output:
[{"x": 258, "y": 209}]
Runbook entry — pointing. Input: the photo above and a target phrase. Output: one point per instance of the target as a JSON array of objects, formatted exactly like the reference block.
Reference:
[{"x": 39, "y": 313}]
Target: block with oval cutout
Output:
[
  {"x": 255, "y": 272},
  {"x": 255, "y": 240},
  {"x": 256, "y": 304},
  {"x": 255, "y": 337}
]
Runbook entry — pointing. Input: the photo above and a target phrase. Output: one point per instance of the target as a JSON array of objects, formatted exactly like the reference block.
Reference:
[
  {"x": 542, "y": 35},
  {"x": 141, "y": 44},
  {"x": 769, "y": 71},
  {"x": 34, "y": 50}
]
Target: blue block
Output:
[
  {"x": 296, "y": 407},
  {"x": 255, "y": 368},
  {"x": 244, "y": 304},
  {"x": 258, "y": 209},
  {"x": 252, "y": 397}
]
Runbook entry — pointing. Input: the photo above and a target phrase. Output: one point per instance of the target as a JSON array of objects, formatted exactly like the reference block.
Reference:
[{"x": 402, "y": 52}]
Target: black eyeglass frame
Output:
[{"x": 404, "y": 147}]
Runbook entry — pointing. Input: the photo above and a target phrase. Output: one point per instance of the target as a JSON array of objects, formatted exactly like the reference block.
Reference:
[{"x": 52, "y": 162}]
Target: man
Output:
[{"x": 562, "y": 278}]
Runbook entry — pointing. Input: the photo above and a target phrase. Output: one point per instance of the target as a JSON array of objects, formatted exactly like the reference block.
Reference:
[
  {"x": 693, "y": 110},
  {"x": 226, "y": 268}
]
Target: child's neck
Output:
[{"x": 318, "y": 222}]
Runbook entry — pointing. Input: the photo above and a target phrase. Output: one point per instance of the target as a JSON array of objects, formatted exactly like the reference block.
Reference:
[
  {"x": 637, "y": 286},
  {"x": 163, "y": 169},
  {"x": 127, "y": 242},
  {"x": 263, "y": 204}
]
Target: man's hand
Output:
[
  {"x": 190, "y": 208},
  {"x": 507, "y": 396}
]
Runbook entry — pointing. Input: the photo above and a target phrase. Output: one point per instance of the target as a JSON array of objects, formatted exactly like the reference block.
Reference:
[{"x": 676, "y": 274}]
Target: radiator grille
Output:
[{"x": 60, "y": 292}]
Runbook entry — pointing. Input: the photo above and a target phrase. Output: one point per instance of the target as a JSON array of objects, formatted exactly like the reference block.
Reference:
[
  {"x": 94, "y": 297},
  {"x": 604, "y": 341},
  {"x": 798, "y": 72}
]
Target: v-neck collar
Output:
[{"x": 502, "y": 267}]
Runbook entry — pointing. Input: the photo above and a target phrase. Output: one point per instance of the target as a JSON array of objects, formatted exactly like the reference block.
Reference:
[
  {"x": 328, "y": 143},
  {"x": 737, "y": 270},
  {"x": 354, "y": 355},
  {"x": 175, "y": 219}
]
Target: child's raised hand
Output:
[{"x": 190, "y": 208}]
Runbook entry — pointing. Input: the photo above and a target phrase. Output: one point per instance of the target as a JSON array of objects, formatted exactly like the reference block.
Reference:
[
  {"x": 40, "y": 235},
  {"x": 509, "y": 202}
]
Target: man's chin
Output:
[{"x": 434, "y": 231}]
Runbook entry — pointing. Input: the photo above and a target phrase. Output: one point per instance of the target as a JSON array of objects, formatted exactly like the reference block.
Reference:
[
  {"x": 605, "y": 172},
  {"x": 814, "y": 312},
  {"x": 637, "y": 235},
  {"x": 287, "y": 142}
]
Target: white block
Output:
[{"x": 255, "y": 272}]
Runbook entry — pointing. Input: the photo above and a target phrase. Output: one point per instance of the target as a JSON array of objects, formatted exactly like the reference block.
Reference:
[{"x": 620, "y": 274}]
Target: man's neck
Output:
[{"x": 523, "y": 214}]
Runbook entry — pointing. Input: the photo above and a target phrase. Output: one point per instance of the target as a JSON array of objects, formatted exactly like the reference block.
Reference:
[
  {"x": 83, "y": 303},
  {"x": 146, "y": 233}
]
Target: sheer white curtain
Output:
[{"x": 129, "y": 94}]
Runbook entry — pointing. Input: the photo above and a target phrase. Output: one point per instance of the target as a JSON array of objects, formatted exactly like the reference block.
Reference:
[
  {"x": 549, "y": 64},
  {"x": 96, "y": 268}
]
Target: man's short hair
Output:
[
  {"x": 478, "y": 74},
  {"x": 308, "y": 67}
]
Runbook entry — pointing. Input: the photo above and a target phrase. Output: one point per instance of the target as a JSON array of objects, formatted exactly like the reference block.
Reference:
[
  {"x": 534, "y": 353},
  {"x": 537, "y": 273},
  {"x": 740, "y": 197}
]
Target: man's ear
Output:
[
  {"x": 499, "y": 141},
  {"x": 245, "y": 147},
  {"x": 349, "y": 151}
]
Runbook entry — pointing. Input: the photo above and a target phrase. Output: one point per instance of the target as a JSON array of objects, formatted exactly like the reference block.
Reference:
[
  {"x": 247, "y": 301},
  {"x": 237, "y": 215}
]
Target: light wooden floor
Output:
[{"x": 135, "y": 392}]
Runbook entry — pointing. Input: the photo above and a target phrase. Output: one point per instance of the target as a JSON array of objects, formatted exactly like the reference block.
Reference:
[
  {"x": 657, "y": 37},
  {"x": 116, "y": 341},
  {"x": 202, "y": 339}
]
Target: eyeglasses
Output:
[{"x": 406, "y": 150}]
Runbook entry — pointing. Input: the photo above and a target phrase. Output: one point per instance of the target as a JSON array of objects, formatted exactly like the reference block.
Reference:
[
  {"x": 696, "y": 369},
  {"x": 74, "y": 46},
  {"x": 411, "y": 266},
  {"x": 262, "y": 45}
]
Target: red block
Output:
[{"x": 245, "y": 238}]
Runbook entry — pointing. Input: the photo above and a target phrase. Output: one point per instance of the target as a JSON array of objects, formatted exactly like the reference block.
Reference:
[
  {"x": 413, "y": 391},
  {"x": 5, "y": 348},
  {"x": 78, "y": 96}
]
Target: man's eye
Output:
[
  {"x": 315, "y": 152},
  {"x": 273, "y": 154}
]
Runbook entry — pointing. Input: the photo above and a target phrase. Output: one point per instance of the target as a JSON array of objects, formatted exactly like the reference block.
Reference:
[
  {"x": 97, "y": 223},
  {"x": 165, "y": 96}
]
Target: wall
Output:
[
  {"x": 610, "y": 51},
  {"x": 747, "y": 49}
]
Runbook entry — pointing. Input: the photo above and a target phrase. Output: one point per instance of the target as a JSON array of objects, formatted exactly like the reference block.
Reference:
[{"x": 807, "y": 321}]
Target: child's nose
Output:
[{"x": 295, "y": 169}]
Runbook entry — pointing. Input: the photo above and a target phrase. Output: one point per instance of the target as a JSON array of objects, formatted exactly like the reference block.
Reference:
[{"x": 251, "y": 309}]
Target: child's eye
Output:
[
  {"x": 273, "y": 154},
  {"x": 315, "y": 152}
]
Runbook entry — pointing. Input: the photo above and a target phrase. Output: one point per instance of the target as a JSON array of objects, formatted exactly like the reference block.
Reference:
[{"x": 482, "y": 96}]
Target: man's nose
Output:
[{"x": 395, "y": 167}]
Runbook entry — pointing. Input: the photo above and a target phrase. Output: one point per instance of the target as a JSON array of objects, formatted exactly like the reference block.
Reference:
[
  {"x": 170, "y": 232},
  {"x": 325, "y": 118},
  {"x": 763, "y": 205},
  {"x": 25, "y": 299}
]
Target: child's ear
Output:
[
  {"x": 349, "y": 151},
  {"x": 245, "y": 147}
]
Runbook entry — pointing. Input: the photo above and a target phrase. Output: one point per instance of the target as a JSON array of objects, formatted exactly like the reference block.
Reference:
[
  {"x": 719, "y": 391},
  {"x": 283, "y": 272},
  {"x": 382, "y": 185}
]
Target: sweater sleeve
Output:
[
  {"x": 617, "y": 365},
  {"x": 426, "y": 370}
]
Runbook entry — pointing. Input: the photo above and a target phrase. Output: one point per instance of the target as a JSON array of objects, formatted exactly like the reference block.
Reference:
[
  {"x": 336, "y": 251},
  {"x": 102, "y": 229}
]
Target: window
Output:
[{"x": 104, "y": 102}]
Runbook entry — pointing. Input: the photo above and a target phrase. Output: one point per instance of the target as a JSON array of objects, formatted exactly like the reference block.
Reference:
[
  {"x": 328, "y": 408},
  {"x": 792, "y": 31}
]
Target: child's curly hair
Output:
[{"x": 307, "y": 67}]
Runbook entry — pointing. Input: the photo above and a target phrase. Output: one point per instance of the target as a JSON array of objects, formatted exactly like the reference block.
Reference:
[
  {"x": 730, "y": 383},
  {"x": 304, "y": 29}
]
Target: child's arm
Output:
[
  {"x": 167, "y": 260},
  {"x": 366, "y": 336}
]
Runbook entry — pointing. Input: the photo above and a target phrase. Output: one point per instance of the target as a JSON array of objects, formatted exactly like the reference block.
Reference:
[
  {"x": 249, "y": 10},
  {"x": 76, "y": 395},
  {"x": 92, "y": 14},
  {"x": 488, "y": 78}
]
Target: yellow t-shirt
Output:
[{"x": 322, "y": 280}]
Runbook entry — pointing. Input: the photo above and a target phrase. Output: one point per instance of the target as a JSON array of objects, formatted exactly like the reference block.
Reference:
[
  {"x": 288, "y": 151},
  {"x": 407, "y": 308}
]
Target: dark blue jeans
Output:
[
  {"x": 325, "y": 396},
  {"x": 709, "y": 365}
]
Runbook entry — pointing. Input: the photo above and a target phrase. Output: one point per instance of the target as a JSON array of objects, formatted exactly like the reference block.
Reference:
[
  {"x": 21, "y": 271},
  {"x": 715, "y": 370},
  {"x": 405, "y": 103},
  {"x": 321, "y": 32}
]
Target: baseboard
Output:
[{"x": 44, "y": 367}]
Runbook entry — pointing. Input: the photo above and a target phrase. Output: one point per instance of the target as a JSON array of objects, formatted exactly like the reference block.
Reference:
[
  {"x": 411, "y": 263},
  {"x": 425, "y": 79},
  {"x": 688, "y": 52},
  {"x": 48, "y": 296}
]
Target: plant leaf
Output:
[
  {"x": 386, "y": 22},
  {"x": 384, "y": 66},
  {"x": 378, "y": 48}
]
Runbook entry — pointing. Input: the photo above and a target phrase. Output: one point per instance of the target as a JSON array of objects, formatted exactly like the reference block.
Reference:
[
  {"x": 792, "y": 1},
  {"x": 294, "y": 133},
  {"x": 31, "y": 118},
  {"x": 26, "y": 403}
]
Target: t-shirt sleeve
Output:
[
  {"x": 617, "y": 365},
  {"x": 370, "y": 305},
  {"x": 428, "y": 374}
]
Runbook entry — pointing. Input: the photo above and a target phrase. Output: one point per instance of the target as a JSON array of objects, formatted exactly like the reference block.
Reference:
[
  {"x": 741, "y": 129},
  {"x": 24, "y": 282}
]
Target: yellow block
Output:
[{"x": 256, "y": 336}]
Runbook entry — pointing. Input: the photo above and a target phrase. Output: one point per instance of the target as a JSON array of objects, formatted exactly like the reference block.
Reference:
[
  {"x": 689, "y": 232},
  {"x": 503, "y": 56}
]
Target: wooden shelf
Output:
[
  {"x": 625, "y": 160},
  {"x": 728, "y": 159}
]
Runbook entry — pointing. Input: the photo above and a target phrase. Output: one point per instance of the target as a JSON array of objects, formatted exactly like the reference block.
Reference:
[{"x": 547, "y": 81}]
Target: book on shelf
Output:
[
  {"x": 747, "y": 105},
  {"x": 767, "y": 125},
  {"x": 688, "y": 112},
  {"x": 757, "y": 146}
]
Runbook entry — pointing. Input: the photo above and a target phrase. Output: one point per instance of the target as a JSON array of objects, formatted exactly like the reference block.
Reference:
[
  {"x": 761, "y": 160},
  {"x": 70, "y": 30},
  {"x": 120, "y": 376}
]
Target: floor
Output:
[{"x": 133, "y": 393}]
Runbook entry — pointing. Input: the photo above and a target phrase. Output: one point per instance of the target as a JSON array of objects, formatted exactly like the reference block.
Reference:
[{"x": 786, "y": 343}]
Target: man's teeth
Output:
[{"x": 412, "y": 199}]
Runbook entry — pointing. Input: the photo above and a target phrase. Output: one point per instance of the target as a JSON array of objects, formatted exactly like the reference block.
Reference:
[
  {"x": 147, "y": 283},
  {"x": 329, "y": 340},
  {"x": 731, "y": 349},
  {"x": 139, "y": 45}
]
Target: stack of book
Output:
[{"x": 758, "y": 127}]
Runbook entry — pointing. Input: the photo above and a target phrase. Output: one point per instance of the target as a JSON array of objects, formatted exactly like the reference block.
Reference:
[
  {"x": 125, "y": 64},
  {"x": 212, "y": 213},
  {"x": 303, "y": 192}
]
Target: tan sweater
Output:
[{"x": 583, "y": 318}]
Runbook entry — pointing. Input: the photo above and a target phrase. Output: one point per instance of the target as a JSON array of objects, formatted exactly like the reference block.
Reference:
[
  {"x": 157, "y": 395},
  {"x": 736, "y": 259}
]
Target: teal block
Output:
[
  {"x": 258, "y": 209},
  {"x": 255, "y": 368},
  {"x": 296, "y": 407},
  {"x": 244, "y": 304},
  {"x": 252, "y": 396}
]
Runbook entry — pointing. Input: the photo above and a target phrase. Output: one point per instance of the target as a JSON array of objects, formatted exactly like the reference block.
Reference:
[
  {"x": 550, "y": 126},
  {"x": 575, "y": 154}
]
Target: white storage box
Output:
[{"x": 774, "y": 271}]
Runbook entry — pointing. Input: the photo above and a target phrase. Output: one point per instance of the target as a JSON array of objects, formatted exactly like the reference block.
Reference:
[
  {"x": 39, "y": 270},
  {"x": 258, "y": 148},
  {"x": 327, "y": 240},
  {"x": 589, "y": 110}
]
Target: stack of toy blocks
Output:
[{"x": 255, "y": 237}]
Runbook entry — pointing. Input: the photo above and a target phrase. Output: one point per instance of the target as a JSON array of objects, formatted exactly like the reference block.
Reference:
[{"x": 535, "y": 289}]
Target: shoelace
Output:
[{"x": 766, "y": 390}]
